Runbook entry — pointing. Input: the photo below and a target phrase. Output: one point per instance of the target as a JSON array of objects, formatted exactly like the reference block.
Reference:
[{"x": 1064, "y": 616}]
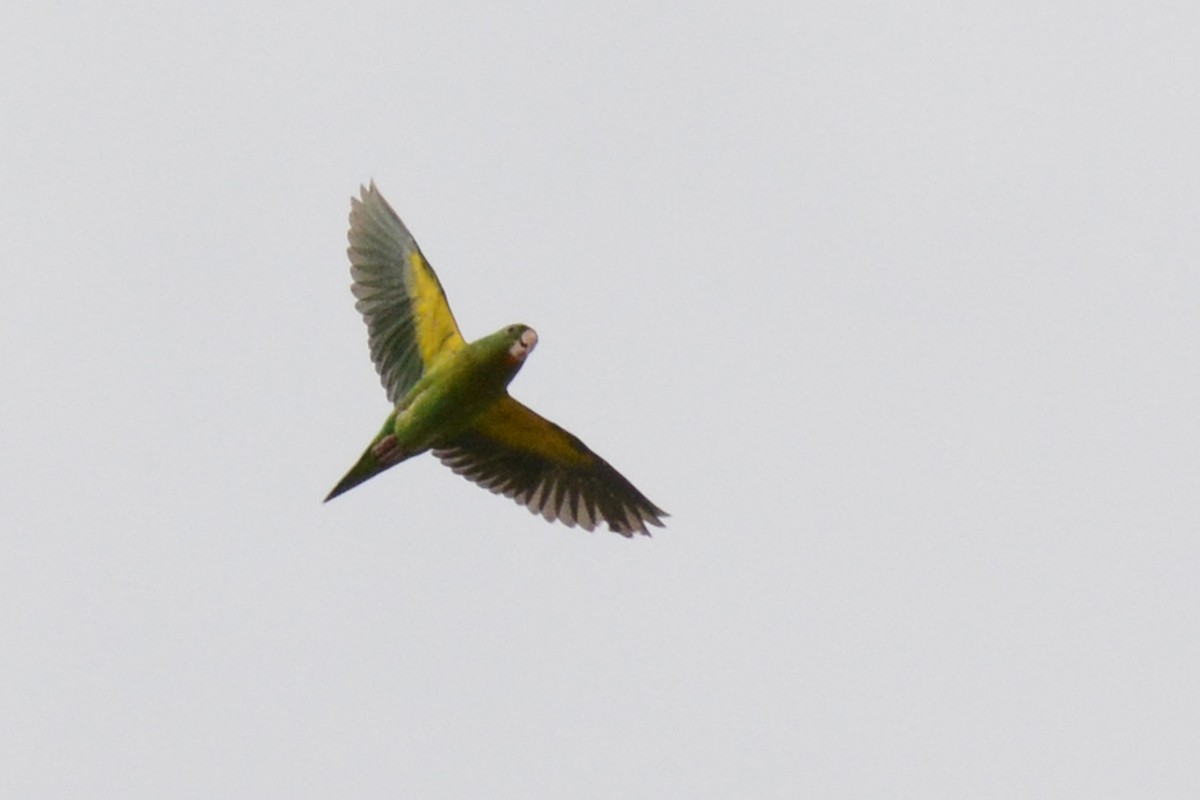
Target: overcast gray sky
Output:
[{"x": 894, "y": 307}]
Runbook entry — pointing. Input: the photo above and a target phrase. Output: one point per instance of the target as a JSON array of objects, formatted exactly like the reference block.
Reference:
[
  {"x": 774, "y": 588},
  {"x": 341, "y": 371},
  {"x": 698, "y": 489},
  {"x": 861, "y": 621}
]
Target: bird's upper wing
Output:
[
  {"x": 515, "y": 452},
  {"x": 408, "y": 319}
]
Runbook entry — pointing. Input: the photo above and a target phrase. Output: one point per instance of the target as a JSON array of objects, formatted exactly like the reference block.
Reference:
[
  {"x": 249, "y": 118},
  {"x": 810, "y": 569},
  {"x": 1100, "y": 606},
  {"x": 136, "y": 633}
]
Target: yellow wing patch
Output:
[
  {"x": 436, "y": 331},
  {"x": 513, "y": 425}
]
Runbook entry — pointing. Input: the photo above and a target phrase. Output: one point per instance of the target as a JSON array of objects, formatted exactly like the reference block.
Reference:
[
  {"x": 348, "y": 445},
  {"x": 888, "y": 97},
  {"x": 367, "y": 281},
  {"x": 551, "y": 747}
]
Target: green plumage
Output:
[
  {"x": 441, "y": 404},
  {"x": 451, "y": 397}
]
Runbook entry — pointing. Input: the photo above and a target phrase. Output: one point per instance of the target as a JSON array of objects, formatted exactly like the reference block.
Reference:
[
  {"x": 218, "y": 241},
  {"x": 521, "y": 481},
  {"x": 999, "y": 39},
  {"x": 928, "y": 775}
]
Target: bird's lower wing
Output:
[{"x": 513, "y": 451}]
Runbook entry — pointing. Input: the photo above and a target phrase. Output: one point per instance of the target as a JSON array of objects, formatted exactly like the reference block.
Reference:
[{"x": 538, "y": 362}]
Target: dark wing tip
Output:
[
  {"x": 636, "y": 520},
  {"x": 585, "y": 498}
]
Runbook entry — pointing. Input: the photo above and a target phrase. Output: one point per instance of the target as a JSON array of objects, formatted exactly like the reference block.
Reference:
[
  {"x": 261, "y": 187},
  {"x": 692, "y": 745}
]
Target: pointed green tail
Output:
[{"x": 382, "y": 454}]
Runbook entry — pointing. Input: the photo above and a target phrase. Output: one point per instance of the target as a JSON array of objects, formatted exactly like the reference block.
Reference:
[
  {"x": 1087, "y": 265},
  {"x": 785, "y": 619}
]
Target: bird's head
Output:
[{"x": 509, "y": 347}]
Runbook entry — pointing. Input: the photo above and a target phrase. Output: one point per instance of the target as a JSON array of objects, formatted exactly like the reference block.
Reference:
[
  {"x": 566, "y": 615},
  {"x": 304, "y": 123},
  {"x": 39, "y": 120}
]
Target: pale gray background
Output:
[{"x": 893, "y": 306}]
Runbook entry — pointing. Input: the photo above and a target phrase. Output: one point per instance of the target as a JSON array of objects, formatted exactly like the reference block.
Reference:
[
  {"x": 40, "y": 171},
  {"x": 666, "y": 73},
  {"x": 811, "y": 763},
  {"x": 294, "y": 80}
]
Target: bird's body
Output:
[
  {"x": 452, "y": 397},
  {"x": 441, "y": 404}
]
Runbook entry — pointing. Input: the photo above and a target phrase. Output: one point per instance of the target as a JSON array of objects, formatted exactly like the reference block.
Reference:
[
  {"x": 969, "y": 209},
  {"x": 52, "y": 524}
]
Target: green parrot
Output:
[{"x": 452, "y": 397}]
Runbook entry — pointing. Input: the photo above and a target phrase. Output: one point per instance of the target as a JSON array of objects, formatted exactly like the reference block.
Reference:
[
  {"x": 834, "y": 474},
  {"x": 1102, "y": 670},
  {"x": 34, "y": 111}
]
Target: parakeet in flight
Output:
[{"x": 452, "y": 397}]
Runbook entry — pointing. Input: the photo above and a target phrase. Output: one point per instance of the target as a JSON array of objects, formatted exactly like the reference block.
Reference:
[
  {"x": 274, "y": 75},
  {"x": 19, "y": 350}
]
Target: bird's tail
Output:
[
  {"x": 381, "y": 454},
  {"x": 367, "y": 467}
]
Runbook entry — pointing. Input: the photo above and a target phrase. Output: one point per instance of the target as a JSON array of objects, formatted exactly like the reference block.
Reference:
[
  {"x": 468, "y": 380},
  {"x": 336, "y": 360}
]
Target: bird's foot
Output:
[{"x": 388, "y": 451}]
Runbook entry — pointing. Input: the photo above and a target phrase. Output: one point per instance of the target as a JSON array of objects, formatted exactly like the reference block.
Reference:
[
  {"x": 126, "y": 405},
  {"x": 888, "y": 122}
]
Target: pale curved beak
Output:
[{"x": 524, "y": 346}]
